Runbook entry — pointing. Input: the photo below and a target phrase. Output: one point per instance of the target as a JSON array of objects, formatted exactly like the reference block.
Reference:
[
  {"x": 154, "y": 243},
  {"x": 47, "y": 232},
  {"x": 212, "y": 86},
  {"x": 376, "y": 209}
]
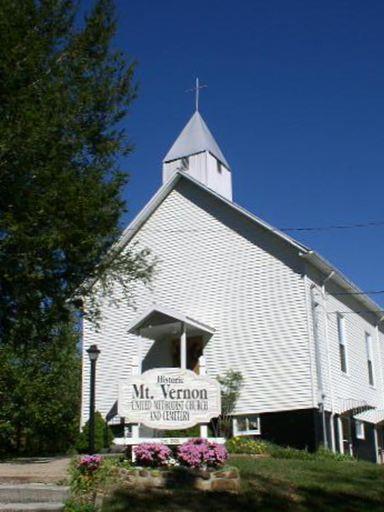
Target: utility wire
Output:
[
  {"x": 286, "y": 229},
  {"x": 336, "y": 226}
]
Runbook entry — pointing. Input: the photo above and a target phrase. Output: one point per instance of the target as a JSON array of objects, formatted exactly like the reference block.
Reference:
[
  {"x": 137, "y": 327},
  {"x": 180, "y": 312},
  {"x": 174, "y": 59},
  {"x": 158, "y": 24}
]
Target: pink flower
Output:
[
  {"x": 89, "y": 463},
  {"x": 198, "y": 453},
  {"x": 152, "y": 454}
]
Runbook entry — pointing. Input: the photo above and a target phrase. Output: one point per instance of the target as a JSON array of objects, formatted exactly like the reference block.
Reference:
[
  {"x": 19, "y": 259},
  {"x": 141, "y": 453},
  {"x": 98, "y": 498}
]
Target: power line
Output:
[
  {"x": 336, "y": 226},
  {"x": 371, "y": 292},
  {"x": 298, "y": 228}
]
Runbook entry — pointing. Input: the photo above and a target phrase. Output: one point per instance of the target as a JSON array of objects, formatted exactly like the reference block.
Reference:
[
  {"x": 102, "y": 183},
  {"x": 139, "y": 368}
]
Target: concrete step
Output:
[
  {"x": 31, "y": 507},
  {"x": 33, "y": 493}
]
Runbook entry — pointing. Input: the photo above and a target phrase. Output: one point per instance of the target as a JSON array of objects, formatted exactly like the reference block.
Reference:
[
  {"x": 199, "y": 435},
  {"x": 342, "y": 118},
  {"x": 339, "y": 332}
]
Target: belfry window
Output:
[
  {"x": 219, "y": 168},
  {"x": 185, "y": 163}
]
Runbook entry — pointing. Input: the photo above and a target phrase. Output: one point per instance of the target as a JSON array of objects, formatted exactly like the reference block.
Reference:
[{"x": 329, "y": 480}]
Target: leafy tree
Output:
[
  {"x": 40, "y": 395},
  {"x": 64, "y": 92},
  {"x": 231, "y": 383},
  {"x": 103, "y": 435},
  {"x": 63, "y": 95}
]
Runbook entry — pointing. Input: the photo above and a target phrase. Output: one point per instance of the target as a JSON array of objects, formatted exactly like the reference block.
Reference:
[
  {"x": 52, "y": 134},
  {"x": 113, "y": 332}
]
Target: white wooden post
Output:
[
  {"x": 183, "y": 346},
  {"x": 376, "y": 444},
  {"x": 136, "y": 370},
  {"x": 341, "y": 436},
  {"x": 203, "y": 371}
]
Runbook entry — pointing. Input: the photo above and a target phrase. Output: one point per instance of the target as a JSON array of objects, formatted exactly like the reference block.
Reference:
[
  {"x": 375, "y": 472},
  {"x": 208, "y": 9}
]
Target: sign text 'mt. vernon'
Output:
[{"x": 169, "y": 398}]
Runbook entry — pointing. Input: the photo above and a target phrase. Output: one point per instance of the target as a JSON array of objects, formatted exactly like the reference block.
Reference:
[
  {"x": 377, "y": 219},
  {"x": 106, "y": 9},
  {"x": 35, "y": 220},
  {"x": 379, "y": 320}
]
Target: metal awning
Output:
[
  {"x": 160, "y": 321},
  {"x": 353, "y": 406},
  {"x": 374, "y": 416}
]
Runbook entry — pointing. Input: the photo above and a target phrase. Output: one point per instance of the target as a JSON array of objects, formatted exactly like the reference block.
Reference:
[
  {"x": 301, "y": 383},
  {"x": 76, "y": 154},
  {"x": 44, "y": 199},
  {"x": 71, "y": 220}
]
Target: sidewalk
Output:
[{"x": 36, "y": 469}]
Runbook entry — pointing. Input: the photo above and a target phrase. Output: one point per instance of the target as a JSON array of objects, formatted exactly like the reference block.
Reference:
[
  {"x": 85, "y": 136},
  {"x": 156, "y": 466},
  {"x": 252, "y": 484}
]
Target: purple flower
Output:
[
  {"x": 152, "y": 454},
  {"x": 198, "y": 453},
  {"x": 89, "y": 463}
]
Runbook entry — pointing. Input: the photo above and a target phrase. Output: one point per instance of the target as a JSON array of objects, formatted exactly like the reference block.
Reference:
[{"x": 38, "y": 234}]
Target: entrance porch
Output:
[{"x": 178, "y": 341}]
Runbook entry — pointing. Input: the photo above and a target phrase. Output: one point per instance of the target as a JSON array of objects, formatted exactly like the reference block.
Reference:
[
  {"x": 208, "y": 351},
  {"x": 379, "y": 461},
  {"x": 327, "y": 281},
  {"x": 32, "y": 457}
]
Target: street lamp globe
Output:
[{"x": 93, "y": 353}]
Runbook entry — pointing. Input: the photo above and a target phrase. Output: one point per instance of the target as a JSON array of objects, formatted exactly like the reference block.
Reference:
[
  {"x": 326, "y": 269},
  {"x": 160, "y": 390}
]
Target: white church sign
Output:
[{"x": 169, "y": 398}]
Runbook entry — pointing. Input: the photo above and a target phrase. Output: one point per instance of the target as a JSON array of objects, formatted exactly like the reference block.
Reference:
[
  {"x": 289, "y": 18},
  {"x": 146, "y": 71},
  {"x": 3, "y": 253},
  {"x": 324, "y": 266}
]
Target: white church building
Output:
[{"x": 232, "y": 288}]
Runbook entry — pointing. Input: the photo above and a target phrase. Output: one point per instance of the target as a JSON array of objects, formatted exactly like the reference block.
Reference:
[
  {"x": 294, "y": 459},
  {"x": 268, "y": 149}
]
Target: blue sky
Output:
[{"x": 295, "y": 99}]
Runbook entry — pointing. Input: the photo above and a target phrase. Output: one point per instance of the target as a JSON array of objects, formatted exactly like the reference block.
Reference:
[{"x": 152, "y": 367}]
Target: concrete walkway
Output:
[{"x": 37, "y": 469}]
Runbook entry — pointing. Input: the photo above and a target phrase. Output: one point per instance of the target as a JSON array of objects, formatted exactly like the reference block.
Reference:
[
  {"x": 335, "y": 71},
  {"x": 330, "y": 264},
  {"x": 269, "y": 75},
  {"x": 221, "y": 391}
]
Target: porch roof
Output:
[
  {"x": 353, "y": 406},
  {"x": 374, "y": 416},
  {"x": 159, "y": 321}
]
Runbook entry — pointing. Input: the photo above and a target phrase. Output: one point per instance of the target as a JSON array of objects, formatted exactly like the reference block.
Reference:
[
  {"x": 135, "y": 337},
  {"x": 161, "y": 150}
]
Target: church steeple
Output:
[{"x": 196, "y": 152}]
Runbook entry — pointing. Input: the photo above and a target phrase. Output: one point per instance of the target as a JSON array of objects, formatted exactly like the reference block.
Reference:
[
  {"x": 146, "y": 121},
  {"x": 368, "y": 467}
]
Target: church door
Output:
[{"x": 194, "y": 351}]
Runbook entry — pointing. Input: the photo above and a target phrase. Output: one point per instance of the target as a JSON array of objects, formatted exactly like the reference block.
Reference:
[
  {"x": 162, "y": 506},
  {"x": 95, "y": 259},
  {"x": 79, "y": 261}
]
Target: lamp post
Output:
[{"x": 93, "y": 353}]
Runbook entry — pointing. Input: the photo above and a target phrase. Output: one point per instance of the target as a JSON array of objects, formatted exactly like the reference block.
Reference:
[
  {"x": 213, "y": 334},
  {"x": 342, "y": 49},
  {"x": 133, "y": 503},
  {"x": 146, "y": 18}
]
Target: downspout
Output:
[
  {"x": 324, "y": 294},
  {"x": 315, "y": 305}
]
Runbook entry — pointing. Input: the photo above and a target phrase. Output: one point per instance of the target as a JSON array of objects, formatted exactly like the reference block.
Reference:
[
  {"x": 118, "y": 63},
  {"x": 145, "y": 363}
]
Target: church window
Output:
[
  {"x": 246, "y": 425},
  {"x": 368, "y": 347},
  {"x": 360, "y": 431},
  {"x": 185, "y": 162},
  {"x": 342, "y": 343},
  {"x": 219, "y": 168}
]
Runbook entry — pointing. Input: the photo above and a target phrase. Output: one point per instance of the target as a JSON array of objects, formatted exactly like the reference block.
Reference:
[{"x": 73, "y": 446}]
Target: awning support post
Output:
[{"x": 183, "y": 346}]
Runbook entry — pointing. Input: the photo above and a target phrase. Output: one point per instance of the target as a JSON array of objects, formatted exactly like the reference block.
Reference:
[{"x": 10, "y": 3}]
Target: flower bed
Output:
[{"x": 197, "y": 464}]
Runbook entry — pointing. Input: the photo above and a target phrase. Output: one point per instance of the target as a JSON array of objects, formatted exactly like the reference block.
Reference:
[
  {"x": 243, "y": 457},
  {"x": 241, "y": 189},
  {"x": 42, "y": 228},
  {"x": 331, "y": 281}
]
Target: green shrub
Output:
[
  {"x": 326, "y": 454},
  {"x": 247, "y": 445},
  {"x": 103, "y": 435},
  {"x": 72, "y": 506},
  {"x": 85, "y": 485},
  {"x": 279, "y": 452}
]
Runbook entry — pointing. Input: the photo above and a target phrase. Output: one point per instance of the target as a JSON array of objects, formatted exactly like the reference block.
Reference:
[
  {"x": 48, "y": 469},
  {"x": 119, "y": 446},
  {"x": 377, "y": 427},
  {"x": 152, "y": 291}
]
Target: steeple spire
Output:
[{"x": 196, "y": 152}]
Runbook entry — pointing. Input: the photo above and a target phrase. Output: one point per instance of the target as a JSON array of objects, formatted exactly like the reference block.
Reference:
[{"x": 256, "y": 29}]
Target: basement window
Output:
[
  {"x": 360, "y": 430},
  {"x": 248, "y": 425}
]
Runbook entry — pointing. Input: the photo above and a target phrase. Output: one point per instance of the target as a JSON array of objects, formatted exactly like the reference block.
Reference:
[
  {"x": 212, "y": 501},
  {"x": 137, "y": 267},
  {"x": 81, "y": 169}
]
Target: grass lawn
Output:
[{"x": 274, "y": 485}]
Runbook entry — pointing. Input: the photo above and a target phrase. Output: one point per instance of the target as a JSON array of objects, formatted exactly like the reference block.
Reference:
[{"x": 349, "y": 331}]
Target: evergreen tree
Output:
[
  {"x": 63, "y": 94},
  {"x": 40, "y": 395}
]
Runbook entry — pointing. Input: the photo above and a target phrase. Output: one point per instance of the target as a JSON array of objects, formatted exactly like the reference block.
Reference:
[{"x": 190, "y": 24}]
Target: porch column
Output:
[
  {"x": 341, "y": 434},
  {"x": 203, "y": 371},
  {"x": 183, "y": 346},
  {"x": 376, "y": 444}
]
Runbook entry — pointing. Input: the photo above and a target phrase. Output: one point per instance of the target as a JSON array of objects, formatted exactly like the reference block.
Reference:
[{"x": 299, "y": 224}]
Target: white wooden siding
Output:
[
  {"x": 354, "y": 384},
  {"x": 220, "y": 268}
]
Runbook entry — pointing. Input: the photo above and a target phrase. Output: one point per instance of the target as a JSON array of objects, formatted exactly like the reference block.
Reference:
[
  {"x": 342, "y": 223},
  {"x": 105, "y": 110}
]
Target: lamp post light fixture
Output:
[{"x": 93, "y": 353}]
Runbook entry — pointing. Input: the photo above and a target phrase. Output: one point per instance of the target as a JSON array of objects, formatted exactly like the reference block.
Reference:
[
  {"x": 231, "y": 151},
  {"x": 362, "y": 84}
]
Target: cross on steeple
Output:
[{"x": 196, "y": 89}]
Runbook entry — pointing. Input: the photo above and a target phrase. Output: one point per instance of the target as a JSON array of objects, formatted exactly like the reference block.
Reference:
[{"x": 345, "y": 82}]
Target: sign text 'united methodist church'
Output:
[{"x": 169, "y": 398}]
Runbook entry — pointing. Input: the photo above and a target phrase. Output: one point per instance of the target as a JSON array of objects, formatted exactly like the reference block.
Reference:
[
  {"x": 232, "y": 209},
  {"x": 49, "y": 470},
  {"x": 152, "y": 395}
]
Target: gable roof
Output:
[
  {"x": 195, "y": 138},
  {"x": 313, "y": 257}
]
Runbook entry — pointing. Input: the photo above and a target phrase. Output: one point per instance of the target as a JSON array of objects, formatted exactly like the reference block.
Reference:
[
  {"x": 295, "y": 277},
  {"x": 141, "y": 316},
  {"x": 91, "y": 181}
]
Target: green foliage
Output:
[
  {"x": 103, "y": 435},
  {"x": 326, "y": 454},
  {"x": 72, "y": 506},
  {"x": 247, "y": 445},
  {"x": 231, "y": 383},
  {"x": 85, "y": 486},
  {"x": 279, "y": 452},
  {"x": 64, "y": 91},
  {"x": 40, "y": 395},
  {"x": 189, "y": 432}
]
